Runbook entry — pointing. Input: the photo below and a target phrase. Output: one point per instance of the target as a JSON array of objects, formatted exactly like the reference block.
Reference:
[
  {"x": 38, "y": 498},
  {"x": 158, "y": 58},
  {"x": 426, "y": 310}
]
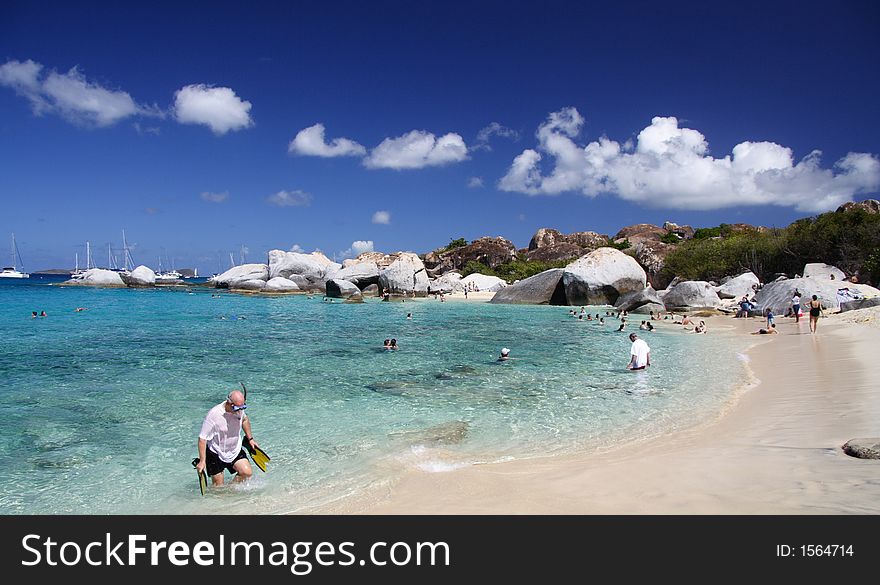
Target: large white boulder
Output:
[
  {"x": 823, "y": 271},
  {"x": 632, "y": 301},
  {"x": 541, "y": 289},
  {"x": 600, "y": 277},
  {"x": 140, "y": 276},
  {"x": 691, "y": 294},
  {"x": 314, "y": 267},
  {"x": 776, "y": 295},
  {"x": 241, "y": 272},
  {"x": 279, "y": 284},
  {"x": 448, "y": 283},
  {"x": 360, "y": 274},
  {"x": 737, "y": 287},
  {"x": 404, "y": 275},
  {"x": 342, "y": 289},
  {"x": 254, "y": 284},
  {"x": 99, "y": 277},
  {"x": 483, "y": 282}
]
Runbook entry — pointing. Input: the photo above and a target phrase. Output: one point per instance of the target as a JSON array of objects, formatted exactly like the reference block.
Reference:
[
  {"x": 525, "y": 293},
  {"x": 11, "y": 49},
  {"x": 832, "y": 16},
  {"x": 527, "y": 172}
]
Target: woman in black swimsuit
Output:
[{"x": 815, "y": 311}]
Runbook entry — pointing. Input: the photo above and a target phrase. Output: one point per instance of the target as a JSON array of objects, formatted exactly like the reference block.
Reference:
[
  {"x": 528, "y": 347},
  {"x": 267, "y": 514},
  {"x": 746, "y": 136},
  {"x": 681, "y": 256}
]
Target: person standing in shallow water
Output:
[
  {"x": 220, "y": 441},
  {"x": 815, "y": 310},
  {"x": 640, "y": 353}
]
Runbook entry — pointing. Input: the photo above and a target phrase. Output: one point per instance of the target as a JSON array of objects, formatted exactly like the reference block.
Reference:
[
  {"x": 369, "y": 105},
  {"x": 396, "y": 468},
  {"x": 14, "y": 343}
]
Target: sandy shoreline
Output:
[{"x": 776, "y": 450}]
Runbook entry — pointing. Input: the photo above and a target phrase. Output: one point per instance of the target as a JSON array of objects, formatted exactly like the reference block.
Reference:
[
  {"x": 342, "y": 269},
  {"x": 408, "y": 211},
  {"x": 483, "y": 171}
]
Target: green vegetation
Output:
[
  {"x": 620, "y": 246},
  {"x": 453, "y": 244},
  {"x": 513, "y": 270},
  {"x": 850, "y": 241},
  {"x": 670, "y": 238}
]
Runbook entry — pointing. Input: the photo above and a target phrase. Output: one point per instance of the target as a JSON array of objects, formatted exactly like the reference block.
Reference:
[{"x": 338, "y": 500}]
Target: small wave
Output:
[{"x": 743, "y": 358}]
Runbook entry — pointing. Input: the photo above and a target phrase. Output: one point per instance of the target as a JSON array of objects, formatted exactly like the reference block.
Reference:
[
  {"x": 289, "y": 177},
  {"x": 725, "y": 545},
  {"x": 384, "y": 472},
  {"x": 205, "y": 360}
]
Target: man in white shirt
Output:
[
  {"x": 640, "y": 353},
  {"x": 220, "y": 441}
]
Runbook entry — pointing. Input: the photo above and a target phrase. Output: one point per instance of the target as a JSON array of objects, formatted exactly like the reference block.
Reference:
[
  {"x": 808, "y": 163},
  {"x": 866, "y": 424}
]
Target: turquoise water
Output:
[{"x": 104, "y": 406}]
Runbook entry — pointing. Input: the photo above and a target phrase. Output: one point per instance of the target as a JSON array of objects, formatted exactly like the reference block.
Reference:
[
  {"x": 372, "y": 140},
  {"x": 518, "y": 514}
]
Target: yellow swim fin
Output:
[
  {"x": 259, "y": 456},
  {"x": 203, "y": 477}
]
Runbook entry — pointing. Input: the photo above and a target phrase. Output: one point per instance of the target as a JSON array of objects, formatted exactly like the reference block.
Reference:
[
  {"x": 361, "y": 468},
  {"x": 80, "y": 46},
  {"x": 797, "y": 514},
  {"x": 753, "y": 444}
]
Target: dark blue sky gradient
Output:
[{"x": 803, "y": 75}]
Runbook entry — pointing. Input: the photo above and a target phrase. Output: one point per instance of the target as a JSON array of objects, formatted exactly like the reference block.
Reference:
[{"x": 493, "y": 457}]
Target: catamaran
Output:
[{"x": 12, "y": 271}]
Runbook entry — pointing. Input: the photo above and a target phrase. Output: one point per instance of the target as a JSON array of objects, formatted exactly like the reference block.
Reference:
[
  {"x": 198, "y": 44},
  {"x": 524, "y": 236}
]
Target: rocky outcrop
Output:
[
  {"x": 360, "y": 274},
  {"x": 491, "y": 252},
  {"x": 651, "y": 255},
  {"x": 691, "y": 294},
  {"x": 242, "y": 272},
  {"x": 545, "y": 288},
  {"x": 549, "y": 245},
  {"x": 404, "y": 275},
  {"x": 140, "y": 276},
  {"x": 776, "y": 295},
  {"x": 448, "y": 283},
  {"x": 868, "y": 206},
  {"x": 483, "y": 282},
  {"x": 863, "y": 448},
  {"x": 371, "y": 291},
  {"x": 648, "y": 308},
  {"x": 601, "y": 277},
  {"x": 380, "y": 259},
  {"x": 735, "y": 288},
  {"x": 99, "y": 277},
  {"x": 640, "y": 232},
  {"x": 684, "y": 232},
  {"x": 819, "y": 270},
  {"x": 632, "y": 301},
  {"x": 279, "y": 284},
  {"x": 315, "y": 267}
]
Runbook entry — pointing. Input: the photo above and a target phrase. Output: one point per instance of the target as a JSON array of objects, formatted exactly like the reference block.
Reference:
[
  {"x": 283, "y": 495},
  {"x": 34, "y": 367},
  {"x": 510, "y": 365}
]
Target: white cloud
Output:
[
  {"x": 494, "y": 129},
  {"x": 216, "y": 107},
  {"x": 382, "y": 217},
  {"x": 296, "y": 248},
  {"x": 214, "y": 197},
  {"x": 475, "y": 182},
  {"x": 670, "y": 167},
  {"x": 70, "y": 95},
  {"x": 416, "y": 150},
  {"x": 290, "y": 199},
  {"x": 357, "y": 248},
  {"x": 311, "y": 142}
]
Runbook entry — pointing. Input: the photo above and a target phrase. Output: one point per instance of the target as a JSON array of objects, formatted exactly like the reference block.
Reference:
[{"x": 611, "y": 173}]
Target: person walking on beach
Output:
[
  {"x": 640, "y": 353},
  {"x": 796, "y": 305},
  {"x": 220, "y": 440},
  {"x": 815, "y": 310}
]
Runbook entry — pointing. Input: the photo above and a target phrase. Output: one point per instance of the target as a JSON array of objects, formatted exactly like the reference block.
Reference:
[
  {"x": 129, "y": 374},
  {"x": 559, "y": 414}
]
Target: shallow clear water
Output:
[{"x": 104, "y": 406}]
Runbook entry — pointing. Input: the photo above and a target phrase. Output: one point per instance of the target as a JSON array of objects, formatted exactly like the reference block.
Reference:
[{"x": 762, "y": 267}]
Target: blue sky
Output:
[{"x": 193, "y": 125}]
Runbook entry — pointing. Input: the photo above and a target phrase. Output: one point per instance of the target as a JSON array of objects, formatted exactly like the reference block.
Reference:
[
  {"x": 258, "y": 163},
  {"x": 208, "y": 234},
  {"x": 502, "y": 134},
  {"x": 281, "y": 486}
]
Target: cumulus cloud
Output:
[
  {"x": 214, "y": 197},
  {"x": 416, "y": 150},
  {"x": 290, "y": 199},
  {"x": 311, "y": 142},
  {"x": 70, "y": 95},
  {"x": 357, "y": 248},
  {"x": 669, "y": 166},
  {"x": 382, "y": 217},
  {"x": 475, "y": 182},
  {"x": 216, "y": 107},
  {"x": 494, "y": 129},
  {"x": 296, "y": 248}
]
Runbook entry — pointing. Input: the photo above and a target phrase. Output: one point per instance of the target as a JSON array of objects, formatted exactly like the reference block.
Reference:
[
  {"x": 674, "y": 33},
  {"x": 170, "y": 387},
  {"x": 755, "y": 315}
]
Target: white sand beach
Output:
[{"x": 776, "y": 449}]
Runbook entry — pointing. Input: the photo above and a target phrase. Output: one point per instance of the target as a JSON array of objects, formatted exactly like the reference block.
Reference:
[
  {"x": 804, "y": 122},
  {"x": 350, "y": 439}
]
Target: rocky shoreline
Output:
[{"x": 625, "y": 271}]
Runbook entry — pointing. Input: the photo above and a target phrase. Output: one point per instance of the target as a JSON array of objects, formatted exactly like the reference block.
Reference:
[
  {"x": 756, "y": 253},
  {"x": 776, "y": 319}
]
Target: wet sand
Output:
[{"x": 776, "y": 449}]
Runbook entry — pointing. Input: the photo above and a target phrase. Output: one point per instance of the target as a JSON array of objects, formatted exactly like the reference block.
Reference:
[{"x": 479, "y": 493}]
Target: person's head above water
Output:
[
  {"x": 505, "y": 352},
  {"x": 633, "y": 336},
  {"x": 235, "y": 401}
]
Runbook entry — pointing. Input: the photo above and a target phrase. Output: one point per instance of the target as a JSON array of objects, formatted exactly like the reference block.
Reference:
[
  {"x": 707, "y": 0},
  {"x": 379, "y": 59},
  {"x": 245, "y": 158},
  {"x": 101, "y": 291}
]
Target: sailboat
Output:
[
  {"x": 78, "y": 272},
  {"x": 12, "y": 271},
  {"x": 167, "y": 276}
]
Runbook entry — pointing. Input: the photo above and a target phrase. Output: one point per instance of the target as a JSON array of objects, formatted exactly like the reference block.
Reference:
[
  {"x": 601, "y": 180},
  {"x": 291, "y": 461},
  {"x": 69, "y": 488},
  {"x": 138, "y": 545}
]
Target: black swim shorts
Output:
[{"x": 214, "y": 465}]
